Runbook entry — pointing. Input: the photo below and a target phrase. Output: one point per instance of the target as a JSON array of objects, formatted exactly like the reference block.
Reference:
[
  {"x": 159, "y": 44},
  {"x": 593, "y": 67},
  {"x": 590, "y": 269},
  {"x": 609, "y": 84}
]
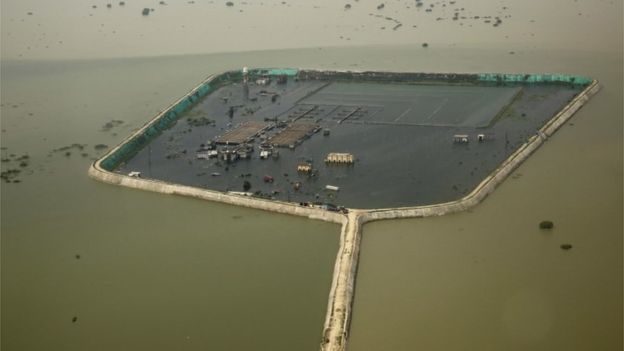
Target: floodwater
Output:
[
  {"x": 138, "y": 270},
  {"x": 417, "y": 164},
  {"x": 146, "y": 271},
  {"x": 489, "y": 278}
]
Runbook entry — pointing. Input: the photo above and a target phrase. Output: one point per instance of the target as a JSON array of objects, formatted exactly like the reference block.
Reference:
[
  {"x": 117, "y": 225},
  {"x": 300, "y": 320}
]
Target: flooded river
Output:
[{"x": 91, "y": 266}]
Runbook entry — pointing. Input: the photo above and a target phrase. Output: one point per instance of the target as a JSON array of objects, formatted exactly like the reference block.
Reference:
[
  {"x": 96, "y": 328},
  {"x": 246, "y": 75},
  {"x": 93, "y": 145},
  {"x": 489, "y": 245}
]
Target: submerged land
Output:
[
  {"x": 90, "y": 266},
  {"x": 310, "y": 109},
  {"x": 405, "y": 139}
]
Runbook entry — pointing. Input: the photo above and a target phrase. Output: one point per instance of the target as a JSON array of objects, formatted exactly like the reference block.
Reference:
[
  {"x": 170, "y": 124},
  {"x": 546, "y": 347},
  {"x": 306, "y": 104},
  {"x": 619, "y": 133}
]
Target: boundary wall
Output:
[
  {"x": 499, "y": 174},
  {"x": 339, "y": 308}
]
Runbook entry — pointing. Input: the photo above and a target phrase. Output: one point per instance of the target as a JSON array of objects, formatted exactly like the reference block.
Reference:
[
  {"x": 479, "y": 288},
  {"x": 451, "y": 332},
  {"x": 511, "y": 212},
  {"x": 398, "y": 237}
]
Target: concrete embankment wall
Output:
[
  {"x": 498, "y": 175},
  {"x": 211, "y": 195},
  {"x": 340, "y": 305},
  {"x": 339, "y": 309}
]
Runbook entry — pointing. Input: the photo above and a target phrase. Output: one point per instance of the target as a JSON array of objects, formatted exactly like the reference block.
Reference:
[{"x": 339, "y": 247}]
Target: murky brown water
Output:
[
  {"x": 160, "y": 272},
  {"x": 490, "y": 279}
]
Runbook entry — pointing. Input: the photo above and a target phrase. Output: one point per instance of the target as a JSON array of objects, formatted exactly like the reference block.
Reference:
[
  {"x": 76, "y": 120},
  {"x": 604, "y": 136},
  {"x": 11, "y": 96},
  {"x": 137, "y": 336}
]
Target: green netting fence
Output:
[
  {"x": 533, "y": 78},
  {"x": 171, "y": 115}
]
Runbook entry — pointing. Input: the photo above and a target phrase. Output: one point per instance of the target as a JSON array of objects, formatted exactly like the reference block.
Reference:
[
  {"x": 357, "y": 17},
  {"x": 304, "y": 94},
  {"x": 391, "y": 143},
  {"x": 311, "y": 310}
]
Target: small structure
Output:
[
  {"x": 209, "y": 145},
  {"x": 481, "y": 137},
  {"x": 304, "y": 167},
  {"x": 460, "y": 138},
  {"x": 229, "y": 155},
  {"x": 207, "y": 155},
  {"x": 263, "y": 81},
  {"x": 325, "y": 132},
  {"x": 245, "y": 75},
  {"x": 294, "y": 134},
  {"x": 265, "y": 153},
  {"x": 244, "y": 151},
  {"x": 243, "y": 133},
  {"x": 340, "y": 158}
]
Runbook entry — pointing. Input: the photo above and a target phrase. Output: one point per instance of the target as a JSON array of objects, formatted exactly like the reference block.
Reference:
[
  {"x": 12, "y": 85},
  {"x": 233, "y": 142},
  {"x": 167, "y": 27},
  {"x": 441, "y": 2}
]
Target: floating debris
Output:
[
  {"x": 200, "y": 121},
  {"x": 546, "y": 225},
  {"x": 100, "y": 146},
  {"x": 566, "y": 247},
  {"x": 66, "y": 149},
  {"x": 9, "y": 175},
  {"x": 112, "y": 124}
]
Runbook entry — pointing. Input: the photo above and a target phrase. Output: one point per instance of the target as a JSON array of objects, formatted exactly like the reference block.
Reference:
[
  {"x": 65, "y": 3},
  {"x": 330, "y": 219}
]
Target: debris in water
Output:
[
  {"x": 546, "y": 225},
  {"x": 566, "y": 247},
  {"x": 112, "y": 124}
]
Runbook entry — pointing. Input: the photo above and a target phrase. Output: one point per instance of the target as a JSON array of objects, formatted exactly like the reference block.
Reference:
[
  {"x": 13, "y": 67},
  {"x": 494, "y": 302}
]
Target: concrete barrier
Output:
[
  {"x": 338, "y": 316},
  {"x": 498, "y": 175},
  {"x": 339, "y": 307}
]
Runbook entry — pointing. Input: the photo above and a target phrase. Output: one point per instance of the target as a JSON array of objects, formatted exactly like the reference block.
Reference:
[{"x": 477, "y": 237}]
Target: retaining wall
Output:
[
  {"x": 339, "y": 308},
  {"x": 498, "y": 175},
  {"x": 341, "y": 294},
  {"x": 211, "y": 195}
]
